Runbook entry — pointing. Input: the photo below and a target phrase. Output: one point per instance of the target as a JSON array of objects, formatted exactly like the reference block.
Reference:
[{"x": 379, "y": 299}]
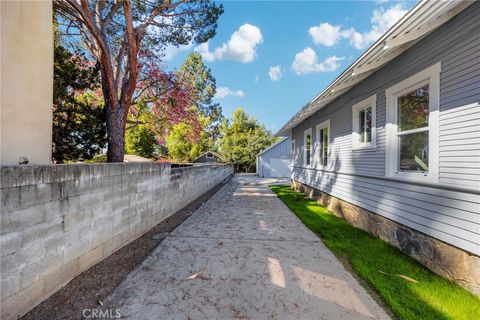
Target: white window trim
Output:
[
  {"x": 305, "y": 133},
  {"x": 356, "y": 108},
  {"x": 430, "y": 76},
  {"x": 320, "y": 126}
]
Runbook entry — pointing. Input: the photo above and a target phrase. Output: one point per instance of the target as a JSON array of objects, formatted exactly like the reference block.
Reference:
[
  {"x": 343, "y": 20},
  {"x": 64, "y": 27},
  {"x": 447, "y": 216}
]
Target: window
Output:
[
  {"x": 294, "y": 153},
  {"x": 209, "y": 155},
  {"x": 412, "y": 126},
  {"x": 322, "y": 142},
  {"x": 307, "y": 157},
  {"x": 364, "y": 135}
]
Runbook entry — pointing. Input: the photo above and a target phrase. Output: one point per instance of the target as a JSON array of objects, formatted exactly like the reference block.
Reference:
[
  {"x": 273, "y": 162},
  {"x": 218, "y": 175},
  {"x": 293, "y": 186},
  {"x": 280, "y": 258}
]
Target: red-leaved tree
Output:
[{"x": 162, "y": 100}]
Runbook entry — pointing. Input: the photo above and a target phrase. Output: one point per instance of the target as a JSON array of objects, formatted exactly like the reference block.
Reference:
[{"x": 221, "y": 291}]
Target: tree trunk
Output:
[{"x": 116, "y": 134}]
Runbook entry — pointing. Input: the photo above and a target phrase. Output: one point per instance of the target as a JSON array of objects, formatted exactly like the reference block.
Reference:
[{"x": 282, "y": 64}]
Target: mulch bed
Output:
[{"x": 89, "y": 288}]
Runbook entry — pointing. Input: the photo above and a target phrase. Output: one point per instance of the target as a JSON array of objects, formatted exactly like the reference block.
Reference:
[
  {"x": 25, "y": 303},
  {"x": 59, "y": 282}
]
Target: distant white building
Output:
[{"x": 275, "y": 160}]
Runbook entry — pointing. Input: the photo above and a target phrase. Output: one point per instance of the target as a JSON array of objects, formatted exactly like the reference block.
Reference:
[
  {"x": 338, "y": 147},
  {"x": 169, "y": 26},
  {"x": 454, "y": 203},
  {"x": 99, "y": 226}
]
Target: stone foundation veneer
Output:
[
  {"x": 59, "y": 220},
  {"x": 440, "y": 257}
]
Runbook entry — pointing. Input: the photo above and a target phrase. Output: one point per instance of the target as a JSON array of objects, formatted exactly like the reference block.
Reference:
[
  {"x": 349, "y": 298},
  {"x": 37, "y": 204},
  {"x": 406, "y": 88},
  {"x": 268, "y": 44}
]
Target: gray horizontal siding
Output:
[
  {"x": 450, "y": 216},
  {"x": 460, "y": 146},
  {"x": 447, "y": 215},
  {"x": 281, "y": 150}
]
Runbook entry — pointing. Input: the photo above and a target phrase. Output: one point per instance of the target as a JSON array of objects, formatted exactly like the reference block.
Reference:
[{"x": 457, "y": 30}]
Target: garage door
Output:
[{"x": 280, "y": 167}]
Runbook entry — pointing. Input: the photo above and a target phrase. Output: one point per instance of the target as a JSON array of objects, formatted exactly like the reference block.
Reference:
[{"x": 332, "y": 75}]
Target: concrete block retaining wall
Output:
[
  {"x": 59, "y": 220},
  {"x": 442, "y": 258}
]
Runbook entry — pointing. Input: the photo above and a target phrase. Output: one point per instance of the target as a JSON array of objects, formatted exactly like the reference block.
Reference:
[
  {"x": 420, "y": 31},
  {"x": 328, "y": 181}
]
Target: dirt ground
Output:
[{"x": 89, "y": 289}]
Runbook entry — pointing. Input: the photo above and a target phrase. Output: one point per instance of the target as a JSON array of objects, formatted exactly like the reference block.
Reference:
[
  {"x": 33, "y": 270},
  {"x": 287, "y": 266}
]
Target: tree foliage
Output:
[
  {"x": 79, "y": 129},
  {"x": 163, "y": 100},
  {"x": 127, "y": 39},
  {"x": 194, "y": 72},
  {"x": 242, "y": 139},
  {"x": 140, "y": 141},
  {"x": 183, "y": 149},
  {"x": 189, "y": 139}
]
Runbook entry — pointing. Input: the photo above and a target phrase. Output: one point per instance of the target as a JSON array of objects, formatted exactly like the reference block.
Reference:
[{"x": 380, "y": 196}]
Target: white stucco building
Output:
[{"x": 26, "y": 82}]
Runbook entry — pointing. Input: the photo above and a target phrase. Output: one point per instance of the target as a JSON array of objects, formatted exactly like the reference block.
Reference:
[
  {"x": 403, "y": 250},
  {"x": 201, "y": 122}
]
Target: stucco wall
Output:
[
  {"x": 58, "y": 220},
  {"x": 26, "y": 81}
]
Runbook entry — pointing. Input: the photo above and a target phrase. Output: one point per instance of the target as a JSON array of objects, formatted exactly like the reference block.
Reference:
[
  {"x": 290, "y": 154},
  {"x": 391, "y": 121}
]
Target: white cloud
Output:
[
  {"x": 241, "y": 46},
  {"x": 307, "y": 62},
  {"x": 275, "y": 73},
  {"x": 384, "y": 19},
  {"x": 325, "y": 34},
  {"x": 223, "y": 92},
  {"x": 205, "y": 52},
  {"x": 381, "y": 20},
  {"x": 257, "y": 78},
  {"x": 171, "y": 51}
]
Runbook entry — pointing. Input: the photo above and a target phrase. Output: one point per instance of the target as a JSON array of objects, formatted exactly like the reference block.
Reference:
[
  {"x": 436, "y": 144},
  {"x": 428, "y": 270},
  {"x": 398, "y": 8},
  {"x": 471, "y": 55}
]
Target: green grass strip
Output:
[{"x": 433, "y": 297}]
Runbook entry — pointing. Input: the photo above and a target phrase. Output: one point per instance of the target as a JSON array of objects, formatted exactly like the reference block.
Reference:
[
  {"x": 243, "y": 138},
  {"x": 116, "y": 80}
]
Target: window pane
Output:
[
  {"x": 361, "y": 118},
  {"x": 414, "y": 152},
  {"x": 320, "y": 143},
  {"x": 325, "y": 146},
  {"x": 413, "y": 109},
  {"x": 368, "y": 125},
  {"x": 308, "y": 146}
]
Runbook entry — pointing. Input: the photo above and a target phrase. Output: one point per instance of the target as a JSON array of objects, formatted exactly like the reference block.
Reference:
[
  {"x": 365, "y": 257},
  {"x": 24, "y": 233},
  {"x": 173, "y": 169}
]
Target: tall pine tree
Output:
[{"x": 194, "y": 72}]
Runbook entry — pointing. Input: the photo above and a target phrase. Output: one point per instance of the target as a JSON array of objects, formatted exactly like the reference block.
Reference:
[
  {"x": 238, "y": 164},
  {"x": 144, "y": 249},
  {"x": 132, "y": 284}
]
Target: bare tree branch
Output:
[
  {"x": 105, "y": 61},
  {"x": 111, "y": 14},
  {"x": 156, "y": 12}
]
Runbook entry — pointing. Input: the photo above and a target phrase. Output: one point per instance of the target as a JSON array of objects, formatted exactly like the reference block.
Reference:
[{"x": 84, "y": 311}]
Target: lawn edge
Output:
[
  {"x": 371, "y": 290},
  {"x": 344, "y": 259}
]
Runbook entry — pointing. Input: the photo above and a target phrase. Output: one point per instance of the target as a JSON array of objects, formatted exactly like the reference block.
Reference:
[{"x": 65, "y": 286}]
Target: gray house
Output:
[
  {"x": 209, "y": 157},
  {"x": 393, "y": 144},
  {"x": 275, "y": 161}
]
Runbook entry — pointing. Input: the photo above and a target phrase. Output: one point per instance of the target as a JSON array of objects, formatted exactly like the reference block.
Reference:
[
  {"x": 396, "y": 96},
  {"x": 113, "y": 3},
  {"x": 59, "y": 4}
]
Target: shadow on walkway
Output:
[{"x": 243, "y": 255}]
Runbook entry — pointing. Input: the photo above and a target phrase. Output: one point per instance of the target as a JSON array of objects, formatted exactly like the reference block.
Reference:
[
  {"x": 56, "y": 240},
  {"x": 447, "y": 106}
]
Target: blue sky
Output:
[{"x": 272, "y": 57}]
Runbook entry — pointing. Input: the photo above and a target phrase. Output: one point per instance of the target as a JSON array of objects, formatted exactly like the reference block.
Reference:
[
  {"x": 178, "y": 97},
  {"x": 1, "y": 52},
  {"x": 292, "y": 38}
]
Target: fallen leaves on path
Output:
[{"x": 198, "y": 275}]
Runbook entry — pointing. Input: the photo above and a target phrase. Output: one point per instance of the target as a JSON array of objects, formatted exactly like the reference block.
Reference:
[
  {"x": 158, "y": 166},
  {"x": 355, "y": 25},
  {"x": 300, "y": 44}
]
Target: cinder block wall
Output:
[{"x": 59, "y": 220}]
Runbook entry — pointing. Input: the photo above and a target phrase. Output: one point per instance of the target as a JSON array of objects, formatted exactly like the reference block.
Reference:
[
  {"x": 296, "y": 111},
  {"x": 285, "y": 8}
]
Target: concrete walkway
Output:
[{"x": 256, "y": 261}]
